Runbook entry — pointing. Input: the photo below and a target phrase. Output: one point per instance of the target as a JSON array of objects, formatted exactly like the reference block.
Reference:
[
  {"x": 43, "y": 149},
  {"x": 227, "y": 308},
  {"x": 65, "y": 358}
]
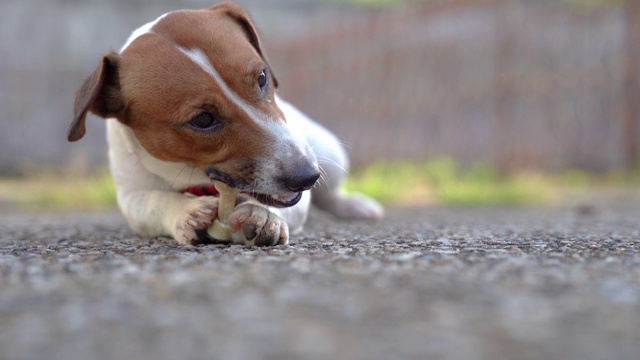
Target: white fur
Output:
[
  {"x": 148, "y": 188},
  {"x": 144, "y": 29}
]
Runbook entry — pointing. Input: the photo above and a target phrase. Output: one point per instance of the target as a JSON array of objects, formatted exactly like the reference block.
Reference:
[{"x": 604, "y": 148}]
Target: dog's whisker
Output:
[
  {"x": 346, "y": 145},
  {"x": 323, "y": 181},
  {"x": 325, "y": 178},
  {"x": 326, "y": 160},
  {"x": 177, "y": 175},
  {"x": 319, "y": 184},
  {"x": 139, "y": 160},
  {"x": 191, "y": 175},
  {"x": 328, "y": 147}
]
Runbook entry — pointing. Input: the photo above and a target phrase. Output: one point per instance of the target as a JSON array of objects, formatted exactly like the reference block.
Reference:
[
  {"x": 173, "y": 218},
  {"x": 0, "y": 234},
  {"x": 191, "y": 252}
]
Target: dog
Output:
[{"x": 190, "y": 99}]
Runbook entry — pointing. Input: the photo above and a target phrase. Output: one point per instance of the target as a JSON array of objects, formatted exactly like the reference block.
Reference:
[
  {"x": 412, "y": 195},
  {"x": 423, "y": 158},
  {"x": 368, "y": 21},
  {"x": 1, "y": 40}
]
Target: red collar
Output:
[{"x": 202, "y": 190}]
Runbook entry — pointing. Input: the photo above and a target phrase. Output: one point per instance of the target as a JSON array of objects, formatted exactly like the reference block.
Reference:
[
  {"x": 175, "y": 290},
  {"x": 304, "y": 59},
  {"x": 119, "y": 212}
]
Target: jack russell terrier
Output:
[{"x": 190, "y": 99}]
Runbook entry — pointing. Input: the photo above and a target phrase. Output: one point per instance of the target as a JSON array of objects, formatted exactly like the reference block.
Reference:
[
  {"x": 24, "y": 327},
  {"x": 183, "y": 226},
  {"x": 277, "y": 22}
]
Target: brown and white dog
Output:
[{"x": 190, "y": 99}]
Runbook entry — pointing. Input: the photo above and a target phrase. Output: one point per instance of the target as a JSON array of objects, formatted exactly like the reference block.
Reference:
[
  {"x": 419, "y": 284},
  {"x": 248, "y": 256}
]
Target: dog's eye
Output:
[
  {"x": 204, "y": 121},
  {"x": 262, "y": 80}
]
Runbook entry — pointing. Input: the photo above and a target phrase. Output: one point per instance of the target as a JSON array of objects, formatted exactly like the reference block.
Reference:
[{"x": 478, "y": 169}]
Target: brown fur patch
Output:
[{"x": 162, "y": 90}]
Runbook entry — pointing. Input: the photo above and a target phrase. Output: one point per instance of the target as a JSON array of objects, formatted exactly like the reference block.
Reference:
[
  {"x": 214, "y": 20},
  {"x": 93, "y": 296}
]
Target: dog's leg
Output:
[
  {"x": 165, "y": 213},
  {"x": 255, "y": 224},
  {"x": 334, "y": 163},
  {"x": 147, "y": 202}
]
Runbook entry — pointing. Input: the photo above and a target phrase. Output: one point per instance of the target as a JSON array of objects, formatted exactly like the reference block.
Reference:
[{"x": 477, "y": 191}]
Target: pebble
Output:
[{"x": 423, "y": 283}]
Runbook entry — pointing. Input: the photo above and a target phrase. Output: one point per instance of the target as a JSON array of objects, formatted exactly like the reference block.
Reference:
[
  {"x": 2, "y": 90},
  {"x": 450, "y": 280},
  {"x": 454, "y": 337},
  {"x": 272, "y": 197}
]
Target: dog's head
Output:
[{"x": 195, "y": 87}]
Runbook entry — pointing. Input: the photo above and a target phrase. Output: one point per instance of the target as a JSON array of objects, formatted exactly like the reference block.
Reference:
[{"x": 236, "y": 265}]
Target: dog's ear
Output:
[
  {"x": 99, "y": 94},
  {"x": 244, "y": 20}
]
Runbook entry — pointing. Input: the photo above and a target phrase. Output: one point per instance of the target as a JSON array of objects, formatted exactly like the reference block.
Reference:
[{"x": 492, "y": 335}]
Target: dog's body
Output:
[{"x": 191, "y": 99}]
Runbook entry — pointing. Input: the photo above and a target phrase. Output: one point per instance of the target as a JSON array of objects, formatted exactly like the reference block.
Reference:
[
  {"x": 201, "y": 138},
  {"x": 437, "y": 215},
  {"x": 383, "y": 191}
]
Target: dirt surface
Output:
[{"x": 430, "y": 283}]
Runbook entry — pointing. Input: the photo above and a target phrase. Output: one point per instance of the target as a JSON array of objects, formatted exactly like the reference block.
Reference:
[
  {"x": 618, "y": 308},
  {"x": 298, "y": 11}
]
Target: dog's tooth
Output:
[
  {"x": 193, "y": 223},
  {"x": 206, "y": 211}
]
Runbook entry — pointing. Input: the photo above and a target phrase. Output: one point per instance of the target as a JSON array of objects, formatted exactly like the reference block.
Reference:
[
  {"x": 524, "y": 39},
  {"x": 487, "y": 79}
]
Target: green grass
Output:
[
  {"x": 444, "y": 181},
  {"x": 594, "y": 3},
  {"x": 438, "y": 181},
  {"x": 49, "y": 190}
]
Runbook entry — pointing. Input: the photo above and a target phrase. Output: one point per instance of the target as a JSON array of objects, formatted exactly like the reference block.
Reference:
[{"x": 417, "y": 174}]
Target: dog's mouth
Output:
[
  {"x": 275, "y": 200},
  {"x": 281, "y": 200}
]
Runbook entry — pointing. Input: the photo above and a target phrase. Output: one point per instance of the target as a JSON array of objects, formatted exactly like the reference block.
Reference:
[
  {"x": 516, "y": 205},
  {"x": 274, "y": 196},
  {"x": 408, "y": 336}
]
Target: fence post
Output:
[
  {"x": 505, "y": 74},
  {"x": 632, "y": 83}
]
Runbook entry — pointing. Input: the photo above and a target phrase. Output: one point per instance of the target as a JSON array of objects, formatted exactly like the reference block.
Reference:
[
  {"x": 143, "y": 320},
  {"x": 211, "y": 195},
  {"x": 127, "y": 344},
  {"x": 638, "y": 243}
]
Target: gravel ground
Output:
[{"x": 427, "y": 283}]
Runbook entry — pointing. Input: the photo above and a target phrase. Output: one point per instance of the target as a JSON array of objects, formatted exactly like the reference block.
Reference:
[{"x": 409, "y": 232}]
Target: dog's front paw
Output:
[
  {"x": 195, "y": 216},
  {"x": 253, "y": 224}
]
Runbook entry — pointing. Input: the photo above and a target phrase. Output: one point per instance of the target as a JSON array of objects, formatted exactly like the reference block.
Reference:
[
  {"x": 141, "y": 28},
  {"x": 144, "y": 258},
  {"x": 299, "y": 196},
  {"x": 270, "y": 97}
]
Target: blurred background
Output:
[{"x": 518, "y": 86}]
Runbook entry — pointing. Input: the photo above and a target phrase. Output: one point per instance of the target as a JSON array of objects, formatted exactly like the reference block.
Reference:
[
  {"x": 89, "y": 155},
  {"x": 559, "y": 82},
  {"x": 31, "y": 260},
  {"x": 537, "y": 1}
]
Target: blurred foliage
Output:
[
  {"x": 49, "y": 190},
  {"x": 379, "y": 3},
  {"x": 596, "y": 2},
  {"x": 437, "y": 181},
  {"x": 442, "y": 180},
  {"x": 624, "y": 177}
]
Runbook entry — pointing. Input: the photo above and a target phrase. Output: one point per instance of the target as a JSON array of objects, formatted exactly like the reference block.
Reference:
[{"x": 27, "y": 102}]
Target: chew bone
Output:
[{"x": 220, "y": 229}]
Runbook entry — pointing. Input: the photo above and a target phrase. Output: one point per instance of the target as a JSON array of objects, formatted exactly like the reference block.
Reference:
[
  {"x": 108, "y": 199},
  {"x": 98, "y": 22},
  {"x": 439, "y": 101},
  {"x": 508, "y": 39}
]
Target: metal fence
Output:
[{"x": 514, "y": 83}]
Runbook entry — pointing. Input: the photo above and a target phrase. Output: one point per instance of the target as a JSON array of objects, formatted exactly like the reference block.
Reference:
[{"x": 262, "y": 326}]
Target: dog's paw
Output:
[
  {"x": 195, "y": 216},
  {"x": 357, "y": 207},
  {"x": 253, "y": 224}
]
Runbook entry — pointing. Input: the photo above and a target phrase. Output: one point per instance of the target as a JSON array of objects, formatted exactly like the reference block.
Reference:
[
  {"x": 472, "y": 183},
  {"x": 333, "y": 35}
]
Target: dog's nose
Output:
[{"x": 302, "y": 180}]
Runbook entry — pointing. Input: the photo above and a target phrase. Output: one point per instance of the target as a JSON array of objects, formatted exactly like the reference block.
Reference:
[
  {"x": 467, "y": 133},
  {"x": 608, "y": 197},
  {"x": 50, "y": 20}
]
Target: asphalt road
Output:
[{"x": 429, "y": 283}]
